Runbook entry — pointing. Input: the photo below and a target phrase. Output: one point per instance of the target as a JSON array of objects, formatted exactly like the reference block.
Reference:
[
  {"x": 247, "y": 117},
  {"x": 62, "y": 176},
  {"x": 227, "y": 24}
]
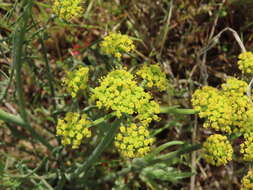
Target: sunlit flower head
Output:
[
  {"x": 247, "y": 181},
  {"x": 246, "y": 147},
  {"x": 246, "y": 62},
  {"x": 217, "y": 150},
  {"x": 215, "y": 107},
  {"x": 76, "y": 80},
  {"x": 133, "y": 141},
  {"x": 119, "y": 92},
  {"x": 153, "y": 76},
  {"x": 68, "y": 9},
  {"x": 73, "y": 128},
  {"x": 115, "y": 44}
]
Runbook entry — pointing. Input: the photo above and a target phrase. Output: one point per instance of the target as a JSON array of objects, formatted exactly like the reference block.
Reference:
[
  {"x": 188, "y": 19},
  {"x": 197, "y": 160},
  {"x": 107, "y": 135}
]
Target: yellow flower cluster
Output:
[
  {"x": 115, "y": 44},
  {"x": 247, "y": 124},
  {"x": 246, "y": 62},
  {"x": 73, "y": 129},
  {"x": 225, "y": 109},
  {"x": 247, "y": 147},
  {"x": 247, "y": 181},
  {"x": 154, "y": 76},
  {"x": 214, "y": 106},
  {"x": 76, "y": 80},
  {"x": 235, "y": 90},
  {"x": 234, "y": 87},
  {"x": 119, "y": 92},
  {"x": 133, "y": 141},
  {"x": 202, "y": 98},
  {"x": 217, "y": 150},
  {"x": 68, "y": 9}
]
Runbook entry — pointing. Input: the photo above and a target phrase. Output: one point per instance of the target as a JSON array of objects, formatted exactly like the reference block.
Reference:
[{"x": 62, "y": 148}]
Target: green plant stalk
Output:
[
  {"x": 114, "y": 175},
  {"x": 186, "y": 149},
  {"x": 7, "y": 117},
  {"x": 147, "y": 161},
  {"x": 175, "y": 110},
  {"x": 49, "y": 73},
  {"x": 101, "y": 119},
  {"x": 18, "y": 43},
  {"x": 8, "y": 86},
  {"x": 50, "y": 77},
  {"x": 103, "y": 144},
  {"x": 165, "y": 145}
]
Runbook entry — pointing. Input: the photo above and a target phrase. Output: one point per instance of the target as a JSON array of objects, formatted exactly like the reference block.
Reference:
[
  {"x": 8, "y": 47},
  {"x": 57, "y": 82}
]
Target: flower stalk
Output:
[{"x": 18, "y": 44}]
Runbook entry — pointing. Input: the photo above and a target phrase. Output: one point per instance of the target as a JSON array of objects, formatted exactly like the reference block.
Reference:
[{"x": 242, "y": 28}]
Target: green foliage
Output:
[{"x": 76, "y": 69}]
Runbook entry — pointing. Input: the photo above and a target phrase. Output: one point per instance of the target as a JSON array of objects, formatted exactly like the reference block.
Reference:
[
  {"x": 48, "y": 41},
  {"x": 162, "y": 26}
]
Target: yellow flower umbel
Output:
[
  {"x": 115, "y": 44},
  {"x": 202, "y": 98},
  {"x": 133, "y": 141},
  {"x": 213, "y": 106},
  {"x": 68, "y": 9},
  {"x": 247, "y": 181},
  {"x": 234, "y": 87},
  {"x": 76, "y": 80},
  {"x": 247, "y": 124},
  {"x": 119, "y": 92},
  {"x": 235, "y": 90},
  {"x": 217, "y": 150},
  {"x": 73, "y": 129},
  {"x": 246, "y": 62},
  {"x": 153, "y": 76},
  {"x": 247, "y": 147}
]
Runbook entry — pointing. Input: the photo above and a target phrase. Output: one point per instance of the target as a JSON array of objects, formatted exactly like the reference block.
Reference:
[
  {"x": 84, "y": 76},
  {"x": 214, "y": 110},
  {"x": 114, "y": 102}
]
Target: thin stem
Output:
[
  {"x": 7, "y": 117},
  {"x": 175, "y": 110},
  {"x": 166, "y": 29},
  {"x": 50, "y": 77},
  {"x": 186, "y": 149},
  {"x": 114, "y": 175},
  {"x": 194, "y": 154},
  {"x": 18, "y": 43},
  {"x": 8, "y": 85},
  {"x": 101, "y": 120},
  {"x": 104, "y": 143},
  {"x": 49, "y": 73}
]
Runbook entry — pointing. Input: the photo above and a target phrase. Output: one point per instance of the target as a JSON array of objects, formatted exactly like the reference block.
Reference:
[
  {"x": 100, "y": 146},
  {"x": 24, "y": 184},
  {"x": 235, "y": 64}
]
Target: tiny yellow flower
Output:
[
  {"x": 153, "y": 76},
  {"x": 236, "y": 91},
  {"x": 76, "y": 80},
  {"x": 247, "y": 181},
  {"x": 118, "y": 91},
  {"x": 115, "y": 44},
  {"x": 246, "y": 148},
  {"x": 217, "y": 150},
  {"x": 246, "y": 62},
  {"x": 132, "y": 143},
  {"x": 70, "y": 131},
  {"x": 68, "y": 9},
  {"x": 215, "y": 107}
]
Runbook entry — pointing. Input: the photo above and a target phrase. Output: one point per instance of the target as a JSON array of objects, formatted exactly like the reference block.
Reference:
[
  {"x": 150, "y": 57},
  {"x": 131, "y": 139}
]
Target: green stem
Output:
[
  {"x": 186, "y": 149},
  {"x": 104, "y": 143},
  {"x": 165, "y": 145},
  {"x": 102, "y": 119},
  {"x": 18, "y": 43},
  {"x": 8, "y": 85},
  {"x": 49, "y": 73},
  {"x": 7, "y": 117},
  {"x": 111, "y": 176},
  {"x": 176, "y": 110},
  {"x": 50, "y": 77}
]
